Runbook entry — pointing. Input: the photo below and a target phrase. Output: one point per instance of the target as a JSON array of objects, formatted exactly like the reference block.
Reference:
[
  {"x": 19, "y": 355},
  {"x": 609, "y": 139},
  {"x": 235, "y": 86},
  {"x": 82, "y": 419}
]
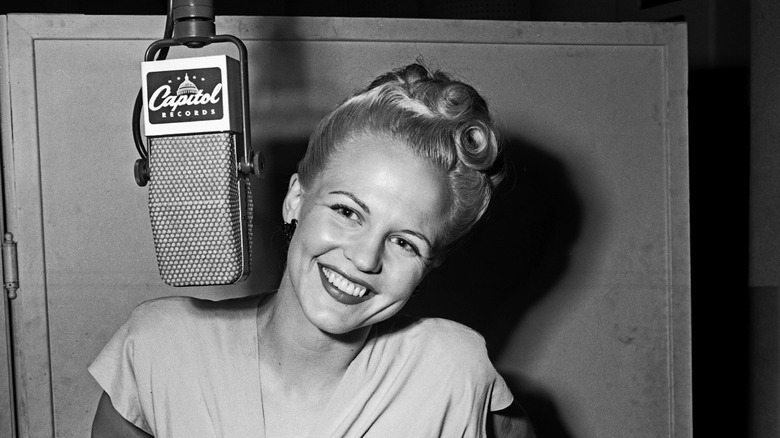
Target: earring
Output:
[{"x": 288, "y": 228}]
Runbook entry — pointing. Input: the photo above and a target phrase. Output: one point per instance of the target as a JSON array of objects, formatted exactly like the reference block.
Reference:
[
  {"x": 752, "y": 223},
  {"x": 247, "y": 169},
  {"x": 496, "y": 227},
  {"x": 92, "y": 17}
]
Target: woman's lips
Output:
[{"x": 341, "y": 288}]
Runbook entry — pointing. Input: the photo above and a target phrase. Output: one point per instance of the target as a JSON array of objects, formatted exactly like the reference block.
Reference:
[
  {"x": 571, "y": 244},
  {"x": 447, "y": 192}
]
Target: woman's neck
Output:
[{"x": 296, "y": 351}]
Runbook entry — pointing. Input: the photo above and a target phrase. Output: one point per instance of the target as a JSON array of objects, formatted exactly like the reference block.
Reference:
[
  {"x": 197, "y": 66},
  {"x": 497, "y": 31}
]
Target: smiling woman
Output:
[
  {"x": 367, "y": 226},
  {"x": 392, "y": 178}
]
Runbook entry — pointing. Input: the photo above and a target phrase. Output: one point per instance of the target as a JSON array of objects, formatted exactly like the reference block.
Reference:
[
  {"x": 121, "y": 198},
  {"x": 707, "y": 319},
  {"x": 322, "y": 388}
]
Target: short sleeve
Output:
[
  {"x": 500, "y": 397},
  {"x": 461, "y": 353},
  {"x": 116, "y": 372},
  {"x": 467, "y": 349}
]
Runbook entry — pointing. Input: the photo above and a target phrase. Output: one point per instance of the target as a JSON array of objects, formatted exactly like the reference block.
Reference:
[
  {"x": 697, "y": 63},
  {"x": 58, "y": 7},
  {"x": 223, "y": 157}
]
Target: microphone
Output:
[{"x": 196, "y": 120}]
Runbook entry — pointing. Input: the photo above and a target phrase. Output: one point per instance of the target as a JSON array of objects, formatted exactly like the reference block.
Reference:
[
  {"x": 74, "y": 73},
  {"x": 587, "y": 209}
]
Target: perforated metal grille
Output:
[{"x": 194, "y": 204}]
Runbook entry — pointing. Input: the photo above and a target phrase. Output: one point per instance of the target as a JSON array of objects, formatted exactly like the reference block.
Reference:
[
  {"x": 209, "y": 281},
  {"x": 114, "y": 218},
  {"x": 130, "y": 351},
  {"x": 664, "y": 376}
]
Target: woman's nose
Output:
[{"x": 365, "y": 252}]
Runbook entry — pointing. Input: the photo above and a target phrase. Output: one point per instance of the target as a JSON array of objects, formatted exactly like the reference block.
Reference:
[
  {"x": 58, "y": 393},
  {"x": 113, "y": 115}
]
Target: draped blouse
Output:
[{"x": 185, "y": 367}]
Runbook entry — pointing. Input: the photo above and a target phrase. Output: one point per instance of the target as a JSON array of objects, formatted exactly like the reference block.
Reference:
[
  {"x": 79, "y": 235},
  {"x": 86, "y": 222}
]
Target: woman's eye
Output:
[
  {"x": 406, "y": 245},
  {"x": 346, "y": 212}
]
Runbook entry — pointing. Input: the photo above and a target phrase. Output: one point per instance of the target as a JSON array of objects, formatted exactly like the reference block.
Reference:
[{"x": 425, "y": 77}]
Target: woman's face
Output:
[{"x": 367, "y": 227}]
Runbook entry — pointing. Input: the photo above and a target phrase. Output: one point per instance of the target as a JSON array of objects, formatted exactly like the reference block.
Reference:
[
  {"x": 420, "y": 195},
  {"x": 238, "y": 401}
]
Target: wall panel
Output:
[{"x": 581, "y": 286}]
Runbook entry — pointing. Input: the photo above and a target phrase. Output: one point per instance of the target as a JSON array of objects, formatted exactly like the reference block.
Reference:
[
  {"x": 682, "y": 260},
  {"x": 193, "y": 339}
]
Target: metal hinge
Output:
[{"x": 10, "y": 266}]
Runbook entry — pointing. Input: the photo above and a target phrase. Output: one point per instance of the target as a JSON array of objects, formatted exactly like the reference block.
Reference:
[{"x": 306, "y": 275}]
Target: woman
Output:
[{"x": 392, "y": 178}]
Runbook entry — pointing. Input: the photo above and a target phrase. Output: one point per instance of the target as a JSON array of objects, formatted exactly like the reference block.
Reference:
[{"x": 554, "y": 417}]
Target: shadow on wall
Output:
[
  {"x": 512, "y": 260},
  {"x": 284, "y": 155}
]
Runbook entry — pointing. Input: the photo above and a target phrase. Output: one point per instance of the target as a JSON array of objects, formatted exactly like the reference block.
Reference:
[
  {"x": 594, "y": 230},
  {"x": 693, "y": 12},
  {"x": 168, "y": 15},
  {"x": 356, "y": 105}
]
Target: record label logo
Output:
[{"x": 184, "y": 95}]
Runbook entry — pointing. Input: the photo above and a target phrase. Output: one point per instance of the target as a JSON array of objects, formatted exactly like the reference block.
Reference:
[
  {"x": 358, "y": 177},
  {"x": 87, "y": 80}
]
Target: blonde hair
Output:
[{"x": 444, "y": 121}]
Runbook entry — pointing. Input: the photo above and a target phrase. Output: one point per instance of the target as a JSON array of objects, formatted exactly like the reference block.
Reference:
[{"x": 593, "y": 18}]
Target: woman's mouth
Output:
[{"x": 342, "y": 289}]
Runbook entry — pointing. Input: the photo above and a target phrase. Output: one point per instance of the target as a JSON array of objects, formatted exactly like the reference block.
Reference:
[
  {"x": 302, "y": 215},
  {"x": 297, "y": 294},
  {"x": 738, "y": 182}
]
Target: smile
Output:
[
  {"x": 342, "y": 289},
  {"x": 343, "y": 284}
]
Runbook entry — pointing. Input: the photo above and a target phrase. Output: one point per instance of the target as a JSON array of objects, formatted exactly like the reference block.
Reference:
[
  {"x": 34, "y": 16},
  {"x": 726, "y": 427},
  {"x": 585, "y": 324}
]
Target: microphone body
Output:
[{"x": 199, "y": 199}]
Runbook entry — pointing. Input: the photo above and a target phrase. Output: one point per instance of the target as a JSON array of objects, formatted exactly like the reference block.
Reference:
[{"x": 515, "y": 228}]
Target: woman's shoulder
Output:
[
  {"x": 432, "y": 329},
  {"x": 435, "y": 337},
  {"x": 433, "y": 353},
  {"x": 178, "y": 307},
  {"x": 181, "y": 314}
]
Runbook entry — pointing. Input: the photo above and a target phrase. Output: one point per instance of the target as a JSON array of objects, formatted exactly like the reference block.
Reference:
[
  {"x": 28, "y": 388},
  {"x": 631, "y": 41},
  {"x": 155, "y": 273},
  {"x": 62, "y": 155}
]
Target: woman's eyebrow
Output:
[{"x": 354, "y": 198}]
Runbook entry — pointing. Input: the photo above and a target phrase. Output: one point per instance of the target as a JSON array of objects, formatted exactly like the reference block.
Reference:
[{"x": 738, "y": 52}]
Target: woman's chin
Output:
[{"x": 341, "y": 331}]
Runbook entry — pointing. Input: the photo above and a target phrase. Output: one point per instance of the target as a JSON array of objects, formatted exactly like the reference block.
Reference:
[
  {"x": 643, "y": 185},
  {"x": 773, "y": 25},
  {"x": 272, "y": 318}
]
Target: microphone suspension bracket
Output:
[
  {"x": 193, "y": 26},
  {"x": 250, "y": 164}
]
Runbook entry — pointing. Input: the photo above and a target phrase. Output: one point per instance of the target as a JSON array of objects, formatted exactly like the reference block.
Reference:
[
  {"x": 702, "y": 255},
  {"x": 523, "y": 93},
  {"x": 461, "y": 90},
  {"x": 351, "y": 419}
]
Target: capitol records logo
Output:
[{"x": 184, "y": 95}]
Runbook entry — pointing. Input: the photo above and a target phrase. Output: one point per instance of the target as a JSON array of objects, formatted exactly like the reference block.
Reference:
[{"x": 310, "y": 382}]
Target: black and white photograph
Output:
[{"x": 415, "y": 219}]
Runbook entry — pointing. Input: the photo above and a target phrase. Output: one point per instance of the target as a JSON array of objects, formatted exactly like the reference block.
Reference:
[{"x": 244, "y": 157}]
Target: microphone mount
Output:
[
  {"x": 193, "y": 22},
  {"x": 193, "y": 26}
]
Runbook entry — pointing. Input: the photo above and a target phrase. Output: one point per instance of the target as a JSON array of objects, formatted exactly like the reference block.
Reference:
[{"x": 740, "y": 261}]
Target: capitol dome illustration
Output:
[{"x": 186, "y": 87}]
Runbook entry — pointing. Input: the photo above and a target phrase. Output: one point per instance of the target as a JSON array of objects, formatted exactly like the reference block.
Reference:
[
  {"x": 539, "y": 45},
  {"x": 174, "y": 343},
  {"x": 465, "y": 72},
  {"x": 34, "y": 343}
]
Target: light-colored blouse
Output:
[{"x": 184, "y": 367}]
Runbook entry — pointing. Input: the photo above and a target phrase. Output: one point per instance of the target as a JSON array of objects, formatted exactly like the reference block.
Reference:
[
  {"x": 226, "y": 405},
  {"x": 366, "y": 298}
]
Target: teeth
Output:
[
  {"x": 343, "y": 284},
  {"x": 359, "y": 291}
]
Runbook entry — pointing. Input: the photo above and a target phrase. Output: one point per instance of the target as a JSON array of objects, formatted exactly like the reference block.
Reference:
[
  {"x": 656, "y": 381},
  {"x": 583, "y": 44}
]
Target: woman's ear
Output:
[{"x": 293, "y": 199}]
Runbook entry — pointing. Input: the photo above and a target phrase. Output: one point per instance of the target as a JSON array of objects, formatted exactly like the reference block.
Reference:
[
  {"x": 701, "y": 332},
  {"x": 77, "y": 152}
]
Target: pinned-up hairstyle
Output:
[{"x": 441, "y": 120}]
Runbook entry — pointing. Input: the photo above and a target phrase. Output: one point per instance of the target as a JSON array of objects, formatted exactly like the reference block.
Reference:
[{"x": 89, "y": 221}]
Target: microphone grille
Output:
[{"x": 197, "y": 205}]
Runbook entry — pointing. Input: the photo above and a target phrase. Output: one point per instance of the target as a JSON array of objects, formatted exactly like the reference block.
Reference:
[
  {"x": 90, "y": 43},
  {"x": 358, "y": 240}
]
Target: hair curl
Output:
[{"x": 442, "y": 120}]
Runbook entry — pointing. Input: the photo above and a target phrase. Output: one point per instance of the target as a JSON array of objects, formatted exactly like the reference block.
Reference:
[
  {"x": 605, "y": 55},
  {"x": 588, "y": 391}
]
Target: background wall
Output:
[
  {"x": 719, "y": 156},
  {"x": 765, "y": 219},
  {"x": 581, "y": 283}
]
